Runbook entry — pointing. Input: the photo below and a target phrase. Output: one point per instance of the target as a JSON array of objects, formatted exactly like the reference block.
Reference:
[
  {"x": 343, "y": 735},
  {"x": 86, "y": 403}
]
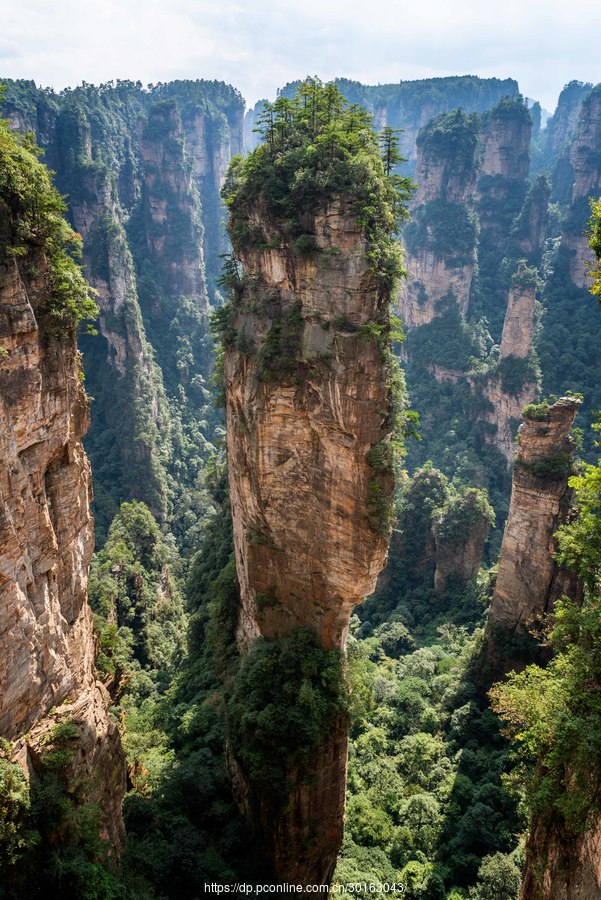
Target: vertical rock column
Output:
[
  {"x": 529, "y": 580},
  {"x": 512, "y": 384},
  {"x": 307, "y": 401},
  {"x": 441, "y": 238},
  {"x": 585, "y": 160}
]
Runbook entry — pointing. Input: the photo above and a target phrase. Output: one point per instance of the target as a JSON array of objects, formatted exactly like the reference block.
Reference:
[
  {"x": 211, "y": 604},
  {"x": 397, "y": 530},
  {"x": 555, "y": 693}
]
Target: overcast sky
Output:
[{"x": 262, "y": 44}]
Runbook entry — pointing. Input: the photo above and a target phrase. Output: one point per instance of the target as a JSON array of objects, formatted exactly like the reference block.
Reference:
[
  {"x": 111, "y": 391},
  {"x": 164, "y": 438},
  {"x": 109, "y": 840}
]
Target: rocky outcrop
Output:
[
  {"x": 530, "y": 229},
  {"x": 142, "y": 169},
  {"x": 298, "y": 444},
  {"x": 460, "y": 532},
  {"x": 529, "y": 580},
  {"x": 504, "y": 168},
  {"x": 506, "y": 141},
  {"x": 46, "y": 637},
  {"x": 512, "y": 383},
  {"x": 172, "y": 215},
  {"x": 562, "y": 125},
  {"x": 520, "y": 316},
  {"x": 585, "y": 159},
  {"x": 308, "y": 415},
  {"x": 559, "y": 867},
  {"x": 441, "y": 237}
]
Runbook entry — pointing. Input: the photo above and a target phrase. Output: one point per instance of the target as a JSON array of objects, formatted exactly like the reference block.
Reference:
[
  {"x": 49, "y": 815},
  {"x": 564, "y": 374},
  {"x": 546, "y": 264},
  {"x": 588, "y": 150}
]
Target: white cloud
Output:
[{"x": 260, "y": 45}]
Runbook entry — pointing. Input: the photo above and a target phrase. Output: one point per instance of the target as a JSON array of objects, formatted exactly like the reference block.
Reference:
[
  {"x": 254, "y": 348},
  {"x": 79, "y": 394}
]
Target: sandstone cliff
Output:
[
  {"x": 504, "y": 168},
  {"x": 560, "y": 867},
  {"x": 512, "y": 384},
  {"x": 529, "y": 581},
  {"x": 586, "y": 168},
  {"x": 298, "y": 446},
  {"x": 142, "y": 169},
  {"x": 46, "y": 536},
  {"x": 562, "y": 125},
  {"x": 308, "y": 410},
  {"x": 460, "y": 531},
  {"x": 441, "y": 238}
]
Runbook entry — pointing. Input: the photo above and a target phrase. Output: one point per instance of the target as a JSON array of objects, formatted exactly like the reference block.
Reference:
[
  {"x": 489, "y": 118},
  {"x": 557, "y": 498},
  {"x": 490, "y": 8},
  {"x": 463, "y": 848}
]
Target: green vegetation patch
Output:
[
  {"x": 316, "y": 146},
  {"x": 287, "y": 696},
  {"x": 32, "y": 223}
]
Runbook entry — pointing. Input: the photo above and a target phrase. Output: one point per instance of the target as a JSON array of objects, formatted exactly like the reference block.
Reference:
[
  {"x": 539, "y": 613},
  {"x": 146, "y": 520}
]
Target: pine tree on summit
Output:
[{"x": 389, "y": 144}]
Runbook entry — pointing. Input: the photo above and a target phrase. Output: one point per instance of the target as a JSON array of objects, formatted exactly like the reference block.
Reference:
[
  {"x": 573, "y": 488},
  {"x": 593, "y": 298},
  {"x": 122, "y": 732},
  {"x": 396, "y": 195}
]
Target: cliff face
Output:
[
  {"x": 561, "y": 869},
  {"x": 585, "y": 159},
  {"x": 142, "y": 169},
  {"x": 459, "y": 549},
  {"x": 306, "y": 403},
  {"x": 46, "y": 638},
  {"x": 297, "y": 449},
  {"x": 512, "y": 383},
  {"x": 518, "y": 328},
  {"x": 504, "y": 169},
  {"x": 529, "y": 581},
  {"x": 562, "y": 125},
  {"x": 441, "y": 238}
]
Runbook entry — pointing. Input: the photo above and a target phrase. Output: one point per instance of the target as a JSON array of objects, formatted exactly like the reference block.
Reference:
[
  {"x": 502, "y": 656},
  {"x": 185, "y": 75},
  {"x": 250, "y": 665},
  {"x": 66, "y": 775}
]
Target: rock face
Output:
[
  {"x": 504, "y": 169},
  {"x": 518, "y": 328},
  {"x": 507, "y": 400},
  {"x": 530, "y": 230},
  {"x": 560, "y": 869},
  {"x": 585, "y": 159},
  {"x": 46, "y": 637},
  {"x": 142, "y": 169},
  {"x": 529, "y": 581},
  {"x": 458, "y": 556},
  {"x": 306, "y": 402},
  {"x": 562, "y": 125},
  {"x": 506, "y": 143},
  {"x": 441, "y": 238}
]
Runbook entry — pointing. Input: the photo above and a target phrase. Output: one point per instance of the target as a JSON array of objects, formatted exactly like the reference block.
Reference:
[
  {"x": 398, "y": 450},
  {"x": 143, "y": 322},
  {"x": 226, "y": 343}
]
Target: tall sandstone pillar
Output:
[
  {"x": 307, "y": 403},
  {"x": 529, "y": 580}
]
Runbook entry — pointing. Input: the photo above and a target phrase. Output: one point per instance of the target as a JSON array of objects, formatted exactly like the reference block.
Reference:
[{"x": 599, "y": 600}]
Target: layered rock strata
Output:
[
  {"x": 507, "y": 400},
  {"x": 585, "y": 159},
  {"x": 441, "y": 238},
  {"x": 46, "y": 538},
  {"x": 529, "y": 580},
  {"x": 307, "y": 403}
]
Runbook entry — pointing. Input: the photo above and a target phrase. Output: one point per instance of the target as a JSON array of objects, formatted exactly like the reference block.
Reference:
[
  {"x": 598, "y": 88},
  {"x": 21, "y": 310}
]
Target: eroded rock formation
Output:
[
  {"x": 441, "y": 238},
  {"x": 307, "y": 401},
  {"x": 559, "y": 867},
  {"x": 586, "y": 168},
  {"x": 529, "y": 580},
  {"x": 46, "y": 538},
  {"x": 512, "y": 384}
]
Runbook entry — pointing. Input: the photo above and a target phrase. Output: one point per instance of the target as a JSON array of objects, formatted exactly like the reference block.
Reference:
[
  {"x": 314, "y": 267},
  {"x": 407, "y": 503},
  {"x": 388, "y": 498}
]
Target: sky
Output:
[{"x": 262, "y": 44}]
